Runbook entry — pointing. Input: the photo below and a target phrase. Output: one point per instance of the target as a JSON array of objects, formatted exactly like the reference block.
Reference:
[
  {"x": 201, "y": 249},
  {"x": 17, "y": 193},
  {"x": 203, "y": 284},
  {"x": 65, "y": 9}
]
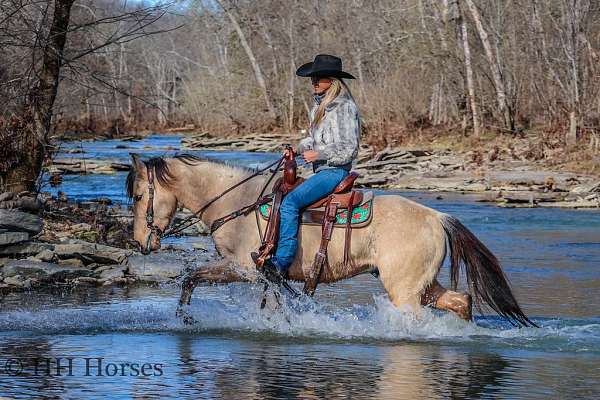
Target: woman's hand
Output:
[
  {"x": 288, "y": 152},
  {"x": 310, "y": 155}
]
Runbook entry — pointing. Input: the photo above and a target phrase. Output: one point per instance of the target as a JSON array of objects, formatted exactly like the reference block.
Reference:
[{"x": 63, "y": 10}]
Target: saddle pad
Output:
[{"x": 361, "y": 214}]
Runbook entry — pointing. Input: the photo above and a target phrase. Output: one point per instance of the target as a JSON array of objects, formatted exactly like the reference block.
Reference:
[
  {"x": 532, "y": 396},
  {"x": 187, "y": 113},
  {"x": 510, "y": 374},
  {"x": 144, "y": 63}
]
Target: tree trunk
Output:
[
  {"x": 291, "y": 91},
  {"x": 494, "y": 66},
  {"x": 255, "y": 66},
  {"x": 31, "y": 142},
  {"x": 469, "y": 75}
]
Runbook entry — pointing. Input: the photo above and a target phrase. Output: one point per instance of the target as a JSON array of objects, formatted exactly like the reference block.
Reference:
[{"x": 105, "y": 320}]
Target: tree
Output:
[
  {"x": 32, "y": 141},
  {"x": 41, "y": 51}
]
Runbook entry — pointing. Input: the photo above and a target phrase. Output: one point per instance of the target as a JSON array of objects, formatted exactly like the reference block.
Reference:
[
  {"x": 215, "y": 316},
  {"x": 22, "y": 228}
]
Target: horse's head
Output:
[{"x": 154, "y": 203}]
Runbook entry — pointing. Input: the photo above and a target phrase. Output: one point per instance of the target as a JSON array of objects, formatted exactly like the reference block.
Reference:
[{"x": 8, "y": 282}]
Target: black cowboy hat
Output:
[{"x": 324, "y": 65}]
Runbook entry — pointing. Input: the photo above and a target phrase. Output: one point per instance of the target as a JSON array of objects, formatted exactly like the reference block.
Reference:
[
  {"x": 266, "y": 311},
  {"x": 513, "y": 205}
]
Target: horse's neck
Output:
[{"x": 199, "y": 184}]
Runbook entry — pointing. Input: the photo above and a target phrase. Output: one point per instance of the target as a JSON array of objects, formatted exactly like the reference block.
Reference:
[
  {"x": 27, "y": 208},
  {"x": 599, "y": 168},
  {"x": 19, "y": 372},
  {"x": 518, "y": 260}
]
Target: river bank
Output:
[
  {"x": 505, "y": 177},
  {"x": 55, "y": 242}
]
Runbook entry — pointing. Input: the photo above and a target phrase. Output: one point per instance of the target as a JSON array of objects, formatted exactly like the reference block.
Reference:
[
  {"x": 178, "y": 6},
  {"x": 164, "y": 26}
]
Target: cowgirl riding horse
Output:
[
  {"x": 331, "y": 147},
  {"x": 407, "y": 256}
]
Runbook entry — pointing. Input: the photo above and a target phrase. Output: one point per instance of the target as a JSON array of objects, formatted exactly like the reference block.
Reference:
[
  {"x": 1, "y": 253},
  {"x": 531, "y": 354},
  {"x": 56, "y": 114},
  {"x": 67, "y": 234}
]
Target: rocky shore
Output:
[
  {"x": 81, "y": 244},
  {"x": 502, "y": 176}
]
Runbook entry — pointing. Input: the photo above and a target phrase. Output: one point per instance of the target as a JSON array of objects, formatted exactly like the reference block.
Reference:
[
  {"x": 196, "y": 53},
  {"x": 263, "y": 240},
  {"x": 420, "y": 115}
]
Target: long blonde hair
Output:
[{"x": 337, "y": 87}]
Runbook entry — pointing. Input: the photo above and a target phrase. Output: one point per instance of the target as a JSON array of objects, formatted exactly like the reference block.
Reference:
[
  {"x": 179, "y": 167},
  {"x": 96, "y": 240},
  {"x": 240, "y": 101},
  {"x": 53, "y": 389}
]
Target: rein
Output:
[{"x": 195, "y": 217}]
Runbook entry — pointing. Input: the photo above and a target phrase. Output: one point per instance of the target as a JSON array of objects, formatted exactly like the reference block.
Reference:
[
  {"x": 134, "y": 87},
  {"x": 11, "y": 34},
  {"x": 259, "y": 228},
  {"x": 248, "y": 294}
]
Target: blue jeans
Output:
[{"x": 314, "y": 188}]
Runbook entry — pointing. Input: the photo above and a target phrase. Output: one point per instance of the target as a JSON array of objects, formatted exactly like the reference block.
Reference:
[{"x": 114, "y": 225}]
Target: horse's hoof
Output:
[
  {"x": 185, "y": 316},
  {"x": 465, "y": 309}
]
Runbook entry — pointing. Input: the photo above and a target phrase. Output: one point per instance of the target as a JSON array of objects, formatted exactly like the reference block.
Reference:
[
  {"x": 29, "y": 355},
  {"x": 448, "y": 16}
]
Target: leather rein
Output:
[{"x": 196, "y": 216}]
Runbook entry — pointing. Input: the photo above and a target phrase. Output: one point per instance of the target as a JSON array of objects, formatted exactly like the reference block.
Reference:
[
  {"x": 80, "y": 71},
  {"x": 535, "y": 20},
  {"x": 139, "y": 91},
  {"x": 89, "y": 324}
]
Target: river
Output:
[{"x": 350, "y": 342}]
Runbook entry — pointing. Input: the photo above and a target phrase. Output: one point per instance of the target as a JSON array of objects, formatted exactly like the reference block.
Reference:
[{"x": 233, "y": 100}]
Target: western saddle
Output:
[{"x": 324, "y": 210}]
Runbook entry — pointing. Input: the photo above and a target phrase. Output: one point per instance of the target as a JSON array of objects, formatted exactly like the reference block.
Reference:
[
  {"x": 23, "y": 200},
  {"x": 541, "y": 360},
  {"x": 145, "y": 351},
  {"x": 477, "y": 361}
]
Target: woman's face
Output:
[{"x": 320, "y": 85}]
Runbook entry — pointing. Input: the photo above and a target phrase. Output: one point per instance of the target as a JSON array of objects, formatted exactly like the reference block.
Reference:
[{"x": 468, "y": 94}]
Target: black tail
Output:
[{"x": 486, "y": 281}]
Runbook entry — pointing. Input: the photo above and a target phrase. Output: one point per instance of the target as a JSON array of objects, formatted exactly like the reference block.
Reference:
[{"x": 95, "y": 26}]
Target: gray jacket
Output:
[{"x": 336, "y": 139}]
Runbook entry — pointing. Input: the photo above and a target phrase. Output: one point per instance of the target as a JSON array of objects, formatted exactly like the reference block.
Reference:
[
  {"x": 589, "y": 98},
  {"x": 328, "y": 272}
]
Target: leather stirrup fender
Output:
[{"x": 311, "y": 281}]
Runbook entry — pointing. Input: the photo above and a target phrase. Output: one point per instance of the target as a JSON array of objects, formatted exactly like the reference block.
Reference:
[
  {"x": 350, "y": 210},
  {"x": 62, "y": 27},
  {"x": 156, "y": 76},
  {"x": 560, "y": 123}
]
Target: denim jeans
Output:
[{"x": 314, "y": 188}]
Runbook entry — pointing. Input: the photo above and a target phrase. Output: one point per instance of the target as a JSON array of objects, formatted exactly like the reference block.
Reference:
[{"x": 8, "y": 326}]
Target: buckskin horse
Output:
[{"x": 404, "y": 244}]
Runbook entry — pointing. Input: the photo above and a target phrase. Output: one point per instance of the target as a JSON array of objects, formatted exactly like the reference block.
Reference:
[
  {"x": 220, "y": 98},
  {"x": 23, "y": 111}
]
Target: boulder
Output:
[
  {"x": 19, "y": 221},
  {"x": 18, "y": 281},
  {"x": 113, "y": 273},
  {"x": 7, "y": 238},
  {"x": 164, "y": 266},
  {"x": 7, "y": 196},
  {"x": 45, "y": 255},
  {"x": 25, "y": 249},
  {"x": 43, "y": 271},
  {"x": 92, "y": 252},
  {"x": 76, "y": 262}
]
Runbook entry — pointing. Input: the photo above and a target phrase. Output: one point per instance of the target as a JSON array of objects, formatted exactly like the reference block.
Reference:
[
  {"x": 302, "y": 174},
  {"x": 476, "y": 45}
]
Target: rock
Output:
[
  {"x": 81, "y": 227},
  {"x": 200, "y": 246},
  {"x": 88, "y": 252},
  {"x": 18, "y": 281},
  {"x": 87, "y": 281},
  {"x": 6, "y": 196},
  {"x": 154, "y": 279},
  {"x": 373, "y": 179},
  {"x": 20, "y": 221},
  {"x": 43, "y": 271},
  {"x": 587, "y": 188},
  {"x": 45, "y": 255},
  {"x": 76, "y": 262},
  {"x": 119, "y": 281},
  {"x": 120, "y": 166},
  {"x": 25, "y": 249},
  {"x": 98, "y": 269},
  {"x": 580, "y": 203},
  {"x": 531, "y": 197},
  {"x": 162, "y": 265},
  {"x": 113, "y": 273},
  {"x": 7, "y": 238},
  {"x": 377, "y": 164},
  {"x": 87, "y": 236},
  {"x": 25, "y": 203}
]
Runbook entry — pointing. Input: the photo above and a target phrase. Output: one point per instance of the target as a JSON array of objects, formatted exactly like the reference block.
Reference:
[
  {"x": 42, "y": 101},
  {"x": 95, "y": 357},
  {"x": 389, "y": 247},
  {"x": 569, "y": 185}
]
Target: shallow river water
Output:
[{"x": 350, "y": 342}]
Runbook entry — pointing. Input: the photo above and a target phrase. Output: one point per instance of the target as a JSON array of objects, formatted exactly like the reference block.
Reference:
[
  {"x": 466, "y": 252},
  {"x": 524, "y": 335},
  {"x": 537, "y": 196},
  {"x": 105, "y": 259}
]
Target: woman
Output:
[{"x": 331, "y": 147}]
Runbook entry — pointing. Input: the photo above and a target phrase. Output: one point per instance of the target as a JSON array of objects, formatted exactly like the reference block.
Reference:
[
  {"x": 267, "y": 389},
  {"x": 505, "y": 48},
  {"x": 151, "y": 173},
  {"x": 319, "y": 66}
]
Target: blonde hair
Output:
[{"x": 337, "y": 87}]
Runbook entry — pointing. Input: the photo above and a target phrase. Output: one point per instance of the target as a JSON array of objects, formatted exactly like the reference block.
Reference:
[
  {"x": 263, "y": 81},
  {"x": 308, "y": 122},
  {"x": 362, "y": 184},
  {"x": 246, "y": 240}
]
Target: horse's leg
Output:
[
  {"x": 220, "y": 271},
  {"x": 441, "y": 298}
]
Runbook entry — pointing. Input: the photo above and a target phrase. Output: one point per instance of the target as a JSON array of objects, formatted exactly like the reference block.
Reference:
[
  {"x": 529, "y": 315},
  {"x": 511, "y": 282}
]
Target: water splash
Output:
[{"x": 235, "y": 309}]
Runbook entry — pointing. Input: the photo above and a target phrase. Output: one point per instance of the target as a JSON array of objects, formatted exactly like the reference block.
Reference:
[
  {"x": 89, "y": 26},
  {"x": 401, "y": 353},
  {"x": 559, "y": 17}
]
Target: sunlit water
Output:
[{"x": 350, "y": 342}]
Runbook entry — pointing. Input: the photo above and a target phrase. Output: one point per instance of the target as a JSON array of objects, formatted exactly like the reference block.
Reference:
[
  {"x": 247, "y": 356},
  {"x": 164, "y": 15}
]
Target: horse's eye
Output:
[{"x": 137, "y": 198}]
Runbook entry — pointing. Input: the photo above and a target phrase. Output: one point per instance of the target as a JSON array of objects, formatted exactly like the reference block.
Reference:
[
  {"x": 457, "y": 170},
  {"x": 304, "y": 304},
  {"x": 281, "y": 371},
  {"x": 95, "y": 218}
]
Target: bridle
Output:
[
  {"x": 150, "y": 211},
  {"x": 197, "y": 216}
]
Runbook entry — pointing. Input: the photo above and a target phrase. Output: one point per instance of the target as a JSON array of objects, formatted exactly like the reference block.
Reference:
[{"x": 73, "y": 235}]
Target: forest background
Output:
[{"x": 460, "y": 73}]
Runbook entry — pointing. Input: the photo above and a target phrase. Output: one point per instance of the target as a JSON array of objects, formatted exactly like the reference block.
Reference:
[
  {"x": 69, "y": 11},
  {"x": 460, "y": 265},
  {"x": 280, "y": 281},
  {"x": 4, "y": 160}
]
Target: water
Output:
[{"x": 349, "y": 342}]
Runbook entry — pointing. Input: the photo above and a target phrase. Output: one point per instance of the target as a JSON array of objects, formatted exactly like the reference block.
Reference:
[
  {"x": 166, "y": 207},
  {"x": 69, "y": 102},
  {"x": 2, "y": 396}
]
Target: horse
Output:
[{"x": 405, "y": 244}]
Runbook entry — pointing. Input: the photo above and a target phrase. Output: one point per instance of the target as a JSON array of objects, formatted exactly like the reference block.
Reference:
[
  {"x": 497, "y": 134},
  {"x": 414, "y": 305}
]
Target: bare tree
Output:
[
  {"x": 255, "y": 65},
  {"x": 494, "y": 66}
]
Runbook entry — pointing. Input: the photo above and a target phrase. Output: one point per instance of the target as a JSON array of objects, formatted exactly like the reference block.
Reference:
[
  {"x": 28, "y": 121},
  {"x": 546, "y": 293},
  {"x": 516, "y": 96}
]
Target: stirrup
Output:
[{"x": 271, "y": 275}]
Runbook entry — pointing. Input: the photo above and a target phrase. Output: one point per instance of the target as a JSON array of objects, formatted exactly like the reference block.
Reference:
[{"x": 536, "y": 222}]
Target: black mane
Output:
[{"x": 161, "y": 170}]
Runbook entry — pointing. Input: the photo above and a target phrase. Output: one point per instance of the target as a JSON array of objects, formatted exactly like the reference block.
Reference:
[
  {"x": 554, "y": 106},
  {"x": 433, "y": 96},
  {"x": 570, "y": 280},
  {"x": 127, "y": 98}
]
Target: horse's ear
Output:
[{"x": 136, "y": 162}]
